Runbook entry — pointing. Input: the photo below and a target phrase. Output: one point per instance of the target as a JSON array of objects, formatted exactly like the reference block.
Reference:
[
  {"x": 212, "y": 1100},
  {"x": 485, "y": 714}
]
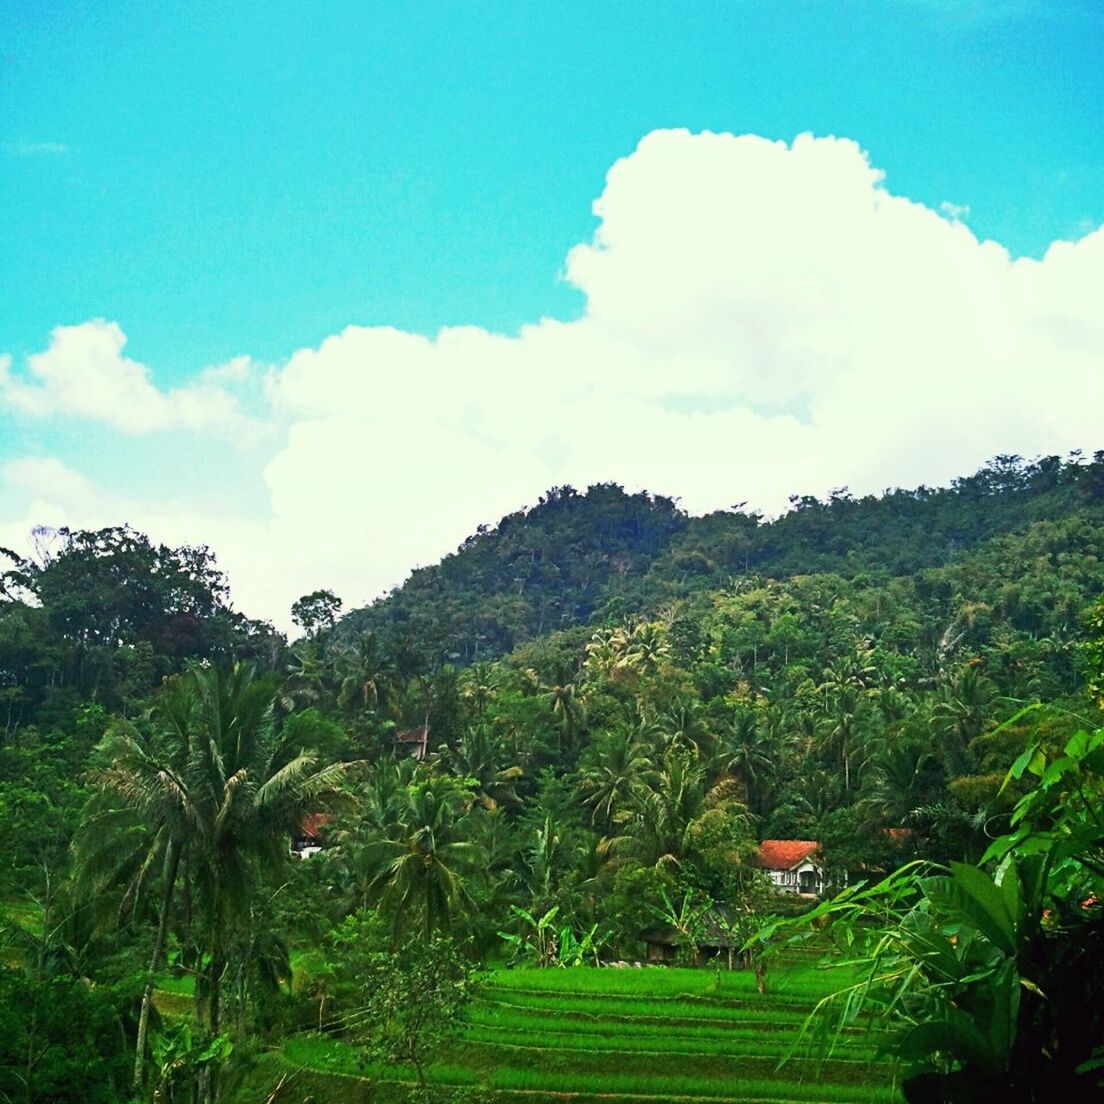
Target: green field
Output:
[{"x": 648, "y": 1035}]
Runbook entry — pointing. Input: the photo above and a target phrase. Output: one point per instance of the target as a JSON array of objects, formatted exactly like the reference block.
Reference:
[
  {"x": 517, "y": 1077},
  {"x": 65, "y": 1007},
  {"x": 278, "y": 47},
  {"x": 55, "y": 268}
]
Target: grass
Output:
[{"x": 648, "y": 1036}]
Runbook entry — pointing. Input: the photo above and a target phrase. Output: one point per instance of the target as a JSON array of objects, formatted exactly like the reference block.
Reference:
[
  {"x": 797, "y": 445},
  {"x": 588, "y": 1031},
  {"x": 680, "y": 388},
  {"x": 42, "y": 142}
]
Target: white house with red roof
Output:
[{"x": 793, "y": 865}]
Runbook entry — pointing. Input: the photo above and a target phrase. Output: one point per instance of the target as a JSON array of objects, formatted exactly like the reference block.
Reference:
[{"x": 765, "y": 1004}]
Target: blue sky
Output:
[
  {"x": 225, "y": 180},
  {"x": 251, "y": 177}
]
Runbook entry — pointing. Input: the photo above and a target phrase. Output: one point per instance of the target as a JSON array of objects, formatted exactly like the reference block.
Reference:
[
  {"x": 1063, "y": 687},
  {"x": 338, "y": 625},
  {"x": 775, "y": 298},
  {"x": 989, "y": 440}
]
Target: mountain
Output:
[{"x": 581, "y": 558}]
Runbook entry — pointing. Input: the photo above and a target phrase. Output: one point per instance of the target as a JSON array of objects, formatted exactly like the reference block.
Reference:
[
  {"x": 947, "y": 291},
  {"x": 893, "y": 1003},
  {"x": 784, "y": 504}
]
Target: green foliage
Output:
[
  {"x": 985, "y": 982},
  {"x": 60, "y": 1040},
  {"x": 316, "y": 612},
  {"x": 414, "y": 1002},
  {"x": 617, "y": 702},
  {"x": 585, "y": 558}
]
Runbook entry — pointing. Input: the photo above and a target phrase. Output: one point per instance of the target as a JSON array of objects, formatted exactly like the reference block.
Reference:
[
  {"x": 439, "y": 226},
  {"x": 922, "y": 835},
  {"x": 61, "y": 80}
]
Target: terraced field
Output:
[{"x": 650, "y": 1035}]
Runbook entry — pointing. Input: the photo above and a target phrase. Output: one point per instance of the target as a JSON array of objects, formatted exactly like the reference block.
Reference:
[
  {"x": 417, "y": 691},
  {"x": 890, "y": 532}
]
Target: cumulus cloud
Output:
[
  {"x": 761, "y": 318},
  {"x": 83, "y": 373}
]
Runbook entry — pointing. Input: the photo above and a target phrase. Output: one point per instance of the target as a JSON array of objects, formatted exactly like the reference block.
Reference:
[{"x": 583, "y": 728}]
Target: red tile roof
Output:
[{"x": 785, "y": 854}]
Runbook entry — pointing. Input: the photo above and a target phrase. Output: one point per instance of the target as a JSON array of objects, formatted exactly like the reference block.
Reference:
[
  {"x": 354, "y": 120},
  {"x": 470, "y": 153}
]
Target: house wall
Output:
[{"x": 789, "y": 881}]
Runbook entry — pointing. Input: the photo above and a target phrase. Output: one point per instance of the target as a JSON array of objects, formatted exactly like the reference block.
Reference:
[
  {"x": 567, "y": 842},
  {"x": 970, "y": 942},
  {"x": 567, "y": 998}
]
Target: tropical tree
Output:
[
  {"x": 961, "y": 714},
  {"x": 568, "y": 707},
  {"x": 479, "y": 758},
  {"x": 221, "y": 782},
  {"x": 612, "y": 767},
  {"x": 429, "y": 857}
]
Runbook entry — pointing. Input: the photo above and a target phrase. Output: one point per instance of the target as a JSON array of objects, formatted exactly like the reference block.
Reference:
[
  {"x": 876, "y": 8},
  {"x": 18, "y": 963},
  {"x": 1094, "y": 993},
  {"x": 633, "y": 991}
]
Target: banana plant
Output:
[
  {"x": 546, "y": 945},
  {"x": 539, "y": 939},
  {"x": 686, "y": 920},
  {"x": 581, "y": 950},
  {"x": 984, "y": 981}
]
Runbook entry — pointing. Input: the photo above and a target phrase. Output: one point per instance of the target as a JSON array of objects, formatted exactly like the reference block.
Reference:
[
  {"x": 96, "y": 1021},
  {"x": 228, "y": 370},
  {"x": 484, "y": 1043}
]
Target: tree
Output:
[
  {"x": 428, "y": 855},
  {"x": 220, "y": 782},
  {"x": 612, "y": 767},
  {"x": 415, "y": 1002},
  {"x": 316, "y": 612}
]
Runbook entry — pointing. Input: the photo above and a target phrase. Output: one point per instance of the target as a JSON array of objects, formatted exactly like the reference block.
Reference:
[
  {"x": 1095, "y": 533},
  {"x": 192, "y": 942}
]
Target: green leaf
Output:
[
  {"x": 955, "y": 1036},
  {"x": 971, "y": 895},
  {"x": 1012, "y": 896}
]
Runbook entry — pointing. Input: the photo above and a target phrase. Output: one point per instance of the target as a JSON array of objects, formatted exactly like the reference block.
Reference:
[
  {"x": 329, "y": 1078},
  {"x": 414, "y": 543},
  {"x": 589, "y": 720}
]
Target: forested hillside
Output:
[
  {"x": 616, "y": 704},
  {"x": 577, "y": 558}
]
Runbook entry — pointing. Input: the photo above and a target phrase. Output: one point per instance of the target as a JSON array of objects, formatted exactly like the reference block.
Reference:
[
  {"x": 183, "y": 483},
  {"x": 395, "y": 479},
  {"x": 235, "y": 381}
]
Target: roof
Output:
[
  {"x": 786, "y": 854},
  {"x": 713, "y": 932},
  {"x": 312, "y": 825},
  {"x": 412, "y": 735}
]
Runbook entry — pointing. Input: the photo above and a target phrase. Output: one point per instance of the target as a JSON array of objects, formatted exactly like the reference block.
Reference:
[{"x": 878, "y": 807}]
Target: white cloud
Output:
[
  {"x": 84, "y": 374},
  {"x": 761, "y": 319},
  {"x": 37, "y": 149}
]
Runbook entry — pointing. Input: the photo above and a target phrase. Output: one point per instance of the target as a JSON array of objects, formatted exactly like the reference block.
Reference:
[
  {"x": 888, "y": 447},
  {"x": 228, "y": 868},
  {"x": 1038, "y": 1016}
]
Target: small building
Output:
[
  {"x": 415, "y": 741},
  {"x": 793, "y": 866},
  {"x": 309, "y": 840},
  {"x": 714, "y": 939}
]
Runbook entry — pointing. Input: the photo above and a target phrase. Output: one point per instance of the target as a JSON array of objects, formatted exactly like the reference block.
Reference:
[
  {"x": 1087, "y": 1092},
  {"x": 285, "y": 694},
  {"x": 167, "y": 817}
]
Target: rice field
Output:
[{"x": 653, "y": 1035}]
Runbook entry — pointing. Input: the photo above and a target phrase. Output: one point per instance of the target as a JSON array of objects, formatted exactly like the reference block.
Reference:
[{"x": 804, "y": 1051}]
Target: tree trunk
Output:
[
  {"x": 155, "y": 961},
  {"x": 210, "y": 1091}
]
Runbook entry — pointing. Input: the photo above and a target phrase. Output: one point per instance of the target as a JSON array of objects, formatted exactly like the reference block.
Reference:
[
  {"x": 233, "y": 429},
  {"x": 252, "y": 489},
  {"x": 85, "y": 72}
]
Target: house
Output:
[
  {"x": 415, "y": 741},
  {"x": 309, "y": 840},
  {"x": 793, "y": 865},
  {"x": 714, "y": 938}
]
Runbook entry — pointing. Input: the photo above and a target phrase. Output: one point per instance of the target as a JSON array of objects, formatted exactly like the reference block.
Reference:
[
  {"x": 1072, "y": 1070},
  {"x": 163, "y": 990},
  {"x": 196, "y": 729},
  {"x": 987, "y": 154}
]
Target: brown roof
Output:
[
  {"x": 785, "y": 854},
  {"x": 312, "y": 825},
  {"x": 412, "y": 735}
]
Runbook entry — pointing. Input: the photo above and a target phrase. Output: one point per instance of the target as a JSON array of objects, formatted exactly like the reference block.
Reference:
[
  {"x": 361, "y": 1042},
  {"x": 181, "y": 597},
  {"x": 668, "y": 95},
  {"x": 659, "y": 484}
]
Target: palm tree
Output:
[
  {"x": 685, "y": 725},
  {"x": 743, "y": 753},
  {"x": 614, "y": 765},
  {"x": 961, "y": 714},
  {"x": 428, "y": 856},
  {"x": 669, "y": 807},
  {"x": 901, "y": 778},
  {"x": 136, "y": 823},
  {"x": 247, "y": 789},
  {"x": 478, "y": 758},
  {"x": 567, "y": 706},
  {"x": 841, "y": 729},
  {"x": 367, "y": 674},
  {"x": 228, "y": 788},
  {"x": 479, "y": 686},
  {"x": 306, "y": 682}
]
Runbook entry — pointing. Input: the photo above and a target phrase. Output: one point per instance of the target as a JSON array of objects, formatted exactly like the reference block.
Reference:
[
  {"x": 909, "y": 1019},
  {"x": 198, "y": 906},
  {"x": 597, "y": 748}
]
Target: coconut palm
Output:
[
  {"x": 478, "y": 757},
  {"x": 567, "y": 706},
  {"x": 743, "y": 752},
  {"x": 613, "y": 766},
  {"x": 961, "y": 715},
  {"x": 136, "y": 824},
  {"x": 479, "y": 686},
  {"x": 428, "y": 856},
  {"x": 668, "y": 808},
  {"x": 686, "y": 725},
  {"x": 367, "y": 674},
  {"x": 223, "y": 784}
]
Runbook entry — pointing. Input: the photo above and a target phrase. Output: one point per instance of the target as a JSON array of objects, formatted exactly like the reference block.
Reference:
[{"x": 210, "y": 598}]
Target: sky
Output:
[{"x": 326, "y": 286}]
